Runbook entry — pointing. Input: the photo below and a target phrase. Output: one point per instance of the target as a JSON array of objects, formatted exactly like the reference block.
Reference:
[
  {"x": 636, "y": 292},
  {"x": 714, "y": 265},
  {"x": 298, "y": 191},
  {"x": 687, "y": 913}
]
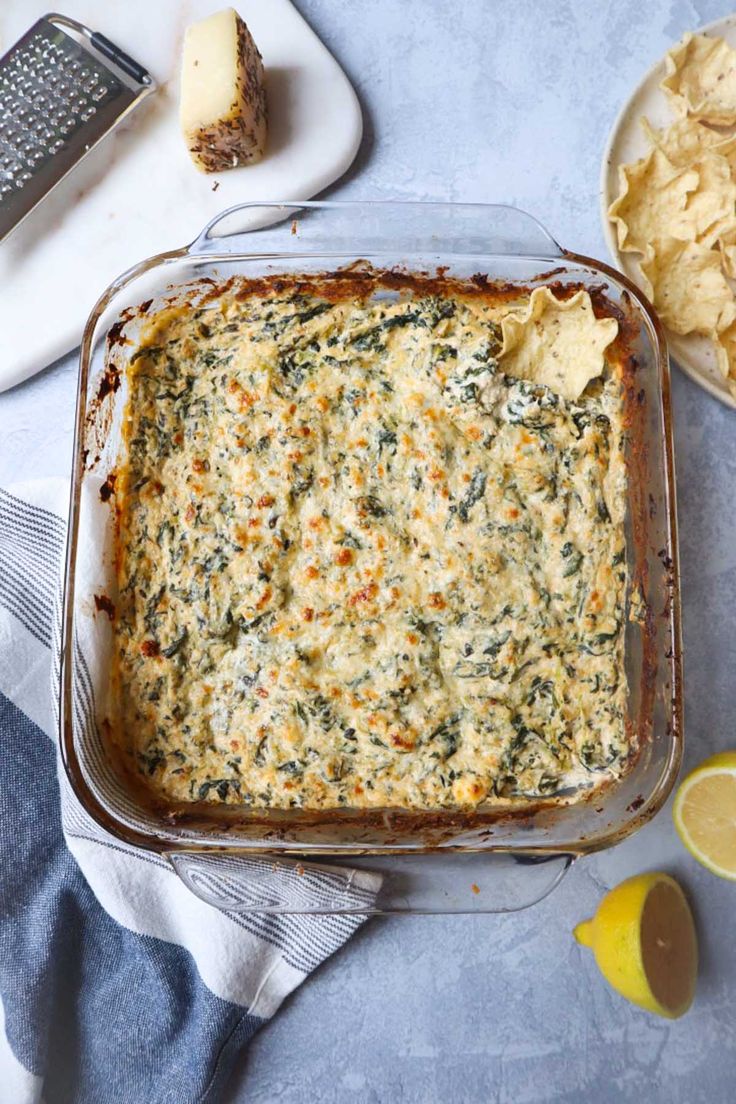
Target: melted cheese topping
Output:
[{"x": 360, "y": 566}]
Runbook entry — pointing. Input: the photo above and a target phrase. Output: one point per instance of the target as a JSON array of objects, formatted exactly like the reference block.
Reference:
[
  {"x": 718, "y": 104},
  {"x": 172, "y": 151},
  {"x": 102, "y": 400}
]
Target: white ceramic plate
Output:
[{"x": 695, "y": 355}]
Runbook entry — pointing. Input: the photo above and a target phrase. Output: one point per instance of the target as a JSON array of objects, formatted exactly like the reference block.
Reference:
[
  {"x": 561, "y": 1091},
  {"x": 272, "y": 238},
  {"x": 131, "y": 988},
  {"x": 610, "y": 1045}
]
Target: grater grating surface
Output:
[{"x": 62, "y": 89}]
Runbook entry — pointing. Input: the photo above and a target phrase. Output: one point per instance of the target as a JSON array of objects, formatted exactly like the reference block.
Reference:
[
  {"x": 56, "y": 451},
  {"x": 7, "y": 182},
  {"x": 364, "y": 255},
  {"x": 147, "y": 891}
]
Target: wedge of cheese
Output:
[{"x": 223, "y": 99}]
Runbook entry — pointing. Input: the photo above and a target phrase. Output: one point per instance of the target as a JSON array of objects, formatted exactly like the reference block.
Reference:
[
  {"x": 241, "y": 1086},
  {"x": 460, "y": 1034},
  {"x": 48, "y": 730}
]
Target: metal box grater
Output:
[{"x": 62, "y": 89}]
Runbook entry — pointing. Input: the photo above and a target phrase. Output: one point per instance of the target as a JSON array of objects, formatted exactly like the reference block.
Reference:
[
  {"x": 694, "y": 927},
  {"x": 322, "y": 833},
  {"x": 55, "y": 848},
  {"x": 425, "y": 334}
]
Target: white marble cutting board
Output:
[{"x": 138, "y": 193}]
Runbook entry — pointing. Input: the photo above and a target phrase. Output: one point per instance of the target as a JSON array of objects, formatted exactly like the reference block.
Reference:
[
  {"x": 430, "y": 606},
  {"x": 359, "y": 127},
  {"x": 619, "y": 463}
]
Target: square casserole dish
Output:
[{"x": 256, "y": 240}]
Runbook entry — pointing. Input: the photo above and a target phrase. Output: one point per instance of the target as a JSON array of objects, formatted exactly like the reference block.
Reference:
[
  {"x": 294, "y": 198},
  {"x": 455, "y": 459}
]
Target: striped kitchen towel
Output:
[{"x": 118, "y": 984}]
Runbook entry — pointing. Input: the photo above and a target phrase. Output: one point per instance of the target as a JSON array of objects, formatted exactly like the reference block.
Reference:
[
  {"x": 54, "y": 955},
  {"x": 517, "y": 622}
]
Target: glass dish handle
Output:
[
  {"x": 334, "y": 226},
  {"x": 470, "y": 882}
]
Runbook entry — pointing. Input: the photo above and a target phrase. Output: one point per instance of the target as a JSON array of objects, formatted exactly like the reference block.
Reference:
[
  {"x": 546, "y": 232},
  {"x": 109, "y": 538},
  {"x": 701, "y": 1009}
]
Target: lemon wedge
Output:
[
  {"x": 705, "y": 813},
  {"x": 644, "y": 942}
]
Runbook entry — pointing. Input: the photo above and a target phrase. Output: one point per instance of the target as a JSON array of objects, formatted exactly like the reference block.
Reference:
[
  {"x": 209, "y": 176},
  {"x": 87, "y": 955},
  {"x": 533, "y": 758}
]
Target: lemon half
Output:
[
  {"x": 705, "y": 813},
  {"x": 644, "y": 941}
]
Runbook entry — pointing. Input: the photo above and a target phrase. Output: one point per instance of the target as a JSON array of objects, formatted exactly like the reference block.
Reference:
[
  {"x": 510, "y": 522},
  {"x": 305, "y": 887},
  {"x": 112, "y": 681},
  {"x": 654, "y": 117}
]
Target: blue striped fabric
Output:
[
  {"x": 99, "y": 1013},
  {"x": 118, "y": 985}
]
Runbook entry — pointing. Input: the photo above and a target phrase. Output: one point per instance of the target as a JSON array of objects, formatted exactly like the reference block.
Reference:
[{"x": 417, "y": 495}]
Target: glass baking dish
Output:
[{"x": 486, "y": 860}]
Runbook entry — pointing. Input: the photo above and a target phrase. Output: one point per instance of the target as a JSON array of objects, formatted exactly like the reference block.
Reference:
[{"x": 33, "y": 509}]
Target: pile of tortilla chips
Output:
[{"x": 677, "y": 205}]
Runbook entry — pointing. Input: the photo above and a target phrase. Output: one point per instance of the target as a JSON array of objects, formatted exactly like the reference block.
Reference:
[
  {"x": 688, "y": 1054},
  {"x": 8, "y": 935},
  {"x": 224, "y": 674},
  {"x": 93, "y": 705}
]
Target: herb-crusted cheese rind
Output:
[
  {"x": 223, "y": 97},
  {"x": 361, "y": 566}
]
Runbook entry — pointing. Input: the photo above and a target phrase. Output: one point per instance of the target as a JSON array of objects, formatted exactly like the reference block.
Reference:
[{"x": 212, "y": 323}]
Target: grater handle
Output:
[
  {"x": 120, "y": 58},
  {"x": 102, "y": 43}
]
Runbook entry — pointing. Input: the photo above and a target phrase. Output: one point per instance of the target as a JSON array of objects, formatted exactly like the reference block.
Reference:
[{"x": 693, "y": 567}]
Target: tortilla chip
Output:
[
  {"x": 652, "y": 202},
  {"x": 711, "y": 208},
  {"x": 726, "y": 356},
  {"x": 559, "y": 343},
  {"x": 701, "y": 79},
  {"x": 684, "y": 141},
  {"x": 710, "y": 211},
  {"x": 727, "y": 150},
  {"x": 726, "y": 352},
  {"x": 688, "y": 288},
  {"x": 727, "y": 247}
]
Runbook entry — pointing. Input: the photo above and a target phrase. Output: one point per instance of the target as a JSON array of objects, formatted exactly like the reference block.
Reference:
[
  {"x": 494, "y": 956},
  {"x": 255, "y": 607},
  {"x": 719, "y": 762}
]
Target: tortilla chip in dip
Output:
[{"x": 559, "y": 343}]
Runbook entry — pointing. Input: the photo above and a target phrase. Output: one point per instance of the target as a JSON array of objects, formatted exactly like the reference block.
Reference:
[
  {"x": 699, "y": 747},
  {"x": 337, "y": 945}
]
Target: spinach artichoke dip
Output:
[{"x": 371, "y": 548}]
